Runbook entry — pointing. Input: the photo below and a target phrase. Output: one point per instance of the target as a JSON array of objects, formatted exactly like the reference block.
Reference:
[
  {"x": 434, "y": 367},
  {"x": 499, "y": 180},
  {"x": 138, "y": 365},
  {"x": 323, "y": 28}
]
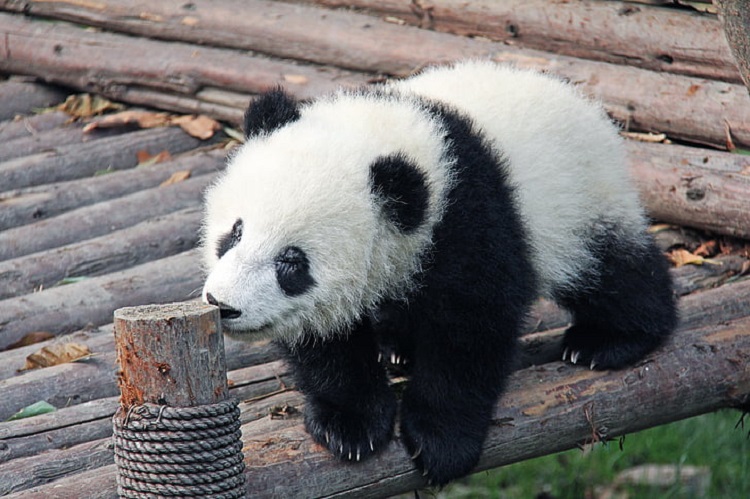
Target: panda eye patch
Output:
[
  {"x": 230, "y": 239},
  {"x": 293, "y": 271}
]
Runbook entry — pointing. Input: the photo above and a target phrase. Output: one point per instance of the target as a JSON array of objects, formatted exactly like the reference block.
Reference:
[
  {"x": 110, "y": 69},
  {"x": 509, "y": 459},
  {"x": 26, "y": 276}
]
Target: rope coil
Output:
[{"x": 165, "y": 451}]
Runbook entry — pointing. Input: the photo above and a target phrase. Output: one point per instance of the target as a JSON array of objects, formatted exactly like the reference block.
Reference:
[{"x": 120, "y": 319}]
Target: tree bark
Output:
[
  {"x": 619, "y": 32},
  {"x": 664, "y": 40},
  {"x": 147, "y": 241},
  {"x": 693, "y": 187},
  {"x": 67, "y": 308},
  {"x": 32, "y": 204},
  {"x": 73, "y": 161},
  {"x": 102, "y": 218},
  {"x": 692, "y": 109},
  {"x": 546, "y": 409},
  {"x": 23, "y": 97},
  {"x": 735, "y": 17}
]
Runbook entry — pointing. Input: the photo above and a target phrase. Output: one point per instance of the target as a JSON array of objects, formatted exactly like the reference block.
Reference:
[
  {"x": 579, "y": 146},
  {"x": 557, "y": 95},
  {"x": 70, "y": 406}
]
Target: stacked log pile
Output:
[{"x": 87, "y": 227}]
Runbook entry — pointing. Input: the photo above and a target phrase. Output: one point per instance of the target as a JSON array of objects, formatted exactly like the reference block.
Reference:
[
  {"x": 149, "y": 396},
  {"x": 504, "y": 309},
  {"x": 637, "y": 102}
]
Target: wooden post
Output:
[
  {"x": 170, "y": 355},
  {"x": 177, "y": 432}
]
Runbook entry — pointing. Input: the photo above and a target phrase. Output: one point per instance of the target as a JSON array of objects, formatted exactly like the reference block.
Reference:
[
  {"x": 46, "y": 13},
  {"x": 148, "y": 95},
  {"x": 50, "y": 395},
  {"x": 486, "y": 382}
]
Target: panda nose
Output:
[{"x": 225, "y": 311}]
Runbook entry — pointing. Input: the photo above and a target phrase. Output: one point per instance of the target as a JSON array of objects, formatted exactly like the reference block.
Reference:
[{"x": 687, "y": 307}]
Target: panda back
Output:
[{"x": 564, "y": 155}]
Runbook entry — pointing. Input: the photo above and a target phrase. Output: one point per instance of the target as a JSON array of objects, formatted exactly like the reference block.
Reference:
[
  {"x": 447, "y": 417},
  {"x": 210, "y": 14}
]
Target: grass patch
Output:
[{"x": 710, "y": 440}]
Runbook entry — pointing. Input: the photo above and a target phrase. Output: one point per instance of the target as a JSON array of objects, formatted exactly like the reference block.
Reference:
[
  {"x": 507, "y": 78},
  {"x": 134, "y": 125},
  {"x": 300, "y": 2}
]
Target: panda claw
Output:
[
  {"x": 358, "y": 454},
  {"x": 393, "y": 358},
  {"x": 372, "y": 446},
  {"x": 380, "y": 357},
  {"x": 416, "y": 453},
  {"x": 593, "y": 364},
  {"x": 565, "y": 353},
  {"x": 574, "y": 356},
  {"x": 328, "y": 438}
]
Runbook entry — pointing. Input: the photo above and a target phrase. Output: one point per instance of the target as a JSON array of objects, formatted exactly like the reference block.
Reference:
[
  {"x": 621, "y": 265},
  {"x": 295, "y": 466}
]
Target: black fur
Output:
[
  {"x": 230, "y": 239},
  {"x": 627, "y": 312},
  {"x": 269, "y": 112},
  {"x": 293, "y": 271},
  {"x": 402, "y": 190}
]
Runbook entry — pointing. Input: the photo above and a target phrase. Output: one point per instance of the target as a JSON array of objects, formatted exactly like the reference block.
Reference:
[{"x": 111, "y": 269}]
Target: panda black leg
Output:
[
  {"x": 456, "y": 377},
  {"x": 629, "y": 313},
  {"x": 349, "y": 407}
]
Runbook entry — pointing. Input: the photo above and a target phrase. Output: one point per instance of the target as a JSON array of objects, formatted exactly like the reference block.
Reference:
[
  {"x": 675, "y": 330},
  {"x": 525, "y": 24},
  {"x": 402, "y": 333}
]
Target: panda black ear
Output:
[
  {"x": 401, "y": 189},
  {"x": 270, "y": 111}
]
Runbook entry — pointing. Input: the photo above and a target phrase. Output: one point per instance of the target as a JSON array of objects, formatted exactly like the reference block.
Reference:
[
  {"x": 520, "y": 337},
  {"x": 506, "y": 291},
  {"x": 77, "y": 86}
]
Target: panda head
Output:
[{"x": 325, "y": 210}]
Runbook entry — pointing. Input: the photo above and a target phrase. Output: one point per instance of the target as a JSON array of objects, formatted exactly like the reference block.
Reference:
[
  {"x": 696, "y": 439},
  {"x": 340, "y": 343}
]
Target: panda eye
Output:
[
  {"x": 293, "y": 271},
  {"x": 230, "y": 239}
]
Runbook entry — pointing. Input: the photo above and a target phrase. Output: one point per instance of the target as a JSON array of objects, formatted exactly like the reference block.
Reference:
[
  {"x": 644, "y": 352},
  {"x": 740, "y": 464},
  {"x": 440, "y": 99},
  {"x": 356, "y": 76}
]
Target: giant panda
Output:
[{"x": 424, "y": 216}]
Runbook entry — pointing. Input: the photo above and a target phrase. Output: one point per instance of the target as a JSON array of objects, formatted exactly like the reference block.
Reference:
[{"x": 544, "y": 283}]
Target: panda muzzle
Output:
[{"x": 225, "y": 311}]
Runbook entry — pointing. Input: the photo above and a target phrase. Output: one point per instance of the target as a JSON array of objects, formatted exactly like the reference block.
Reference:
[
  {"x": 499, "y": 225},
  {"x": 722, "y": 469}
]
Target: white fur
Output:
[
  {"x": 307, "y": 185},
  {"x": 565, "y": 156}
]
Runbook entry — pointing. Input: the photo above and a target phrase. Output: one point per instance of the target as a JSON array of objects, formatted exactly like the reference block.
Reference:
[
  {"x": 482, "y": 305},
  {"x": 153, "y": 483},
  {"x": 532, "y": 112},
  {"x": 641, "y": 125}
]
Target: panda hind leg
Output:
[{"x": 629, "y": 312}]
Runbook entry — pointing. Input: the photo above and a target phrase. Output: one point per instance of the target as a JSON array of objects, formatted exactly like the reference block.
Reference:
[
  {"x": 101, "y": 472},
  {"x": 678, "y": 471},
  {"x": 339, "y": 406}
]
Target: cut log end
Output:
[{"x": 170, "y": 354}]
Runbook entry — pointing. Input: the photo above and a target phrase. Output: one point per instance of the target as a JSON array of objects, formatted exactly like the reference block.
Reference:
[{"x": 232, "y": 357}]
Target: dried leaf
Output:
[
  {"x": 143, "y": 119},
  {"x": 35, "y": 409},
  {"x": 201, "y": 126},
  {"x": 145, "y": 158},
  {"x": 31, "y": 338},
  {"x": 57, "y": 353},
  {"x": 682, "y": 257},
  {"x": 86, "y": 105},
  {"x": 176, "y": 177}
]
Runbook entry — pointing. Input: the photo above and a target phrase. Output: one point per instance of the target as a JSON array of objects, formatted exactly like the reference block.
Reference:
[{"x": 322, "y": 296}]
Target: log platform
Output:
[{"x": 95, "y": 217}]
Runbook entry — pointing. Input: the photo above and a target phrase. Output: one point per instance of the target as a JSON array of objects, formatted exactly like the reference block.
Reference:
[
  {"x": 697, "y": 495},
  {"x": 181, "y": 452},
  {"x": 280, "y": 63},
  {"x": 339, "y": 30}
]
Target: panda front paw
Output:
[
  {"x": 351, "y": 434},
  {"x": 441, "y": 449},
  {"x": 587, "y": 346}
]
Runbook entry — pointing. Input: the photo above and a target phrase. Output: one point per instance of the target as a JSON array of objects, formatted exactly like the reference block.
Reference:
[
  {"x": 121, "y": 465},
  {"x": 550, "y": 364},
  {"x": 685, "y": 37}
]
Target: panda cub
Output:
[{"x": 426, "y": 215}]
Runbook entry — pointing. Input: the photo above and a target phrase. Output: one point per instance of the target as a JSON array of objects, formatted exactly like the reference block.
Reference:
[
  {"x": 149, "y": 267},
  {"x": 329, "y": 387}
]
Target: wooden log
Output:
[
  {"x": 696, "y": 310},
  {"x": 24, "y": 97},
  {"x": 25, "y": 206},
  {"x": 69, "y": 384},
  {"x": 26, "y": 126},
  {"x": 617, "y": 32},
  {"x": 102, "y": 218},
  {"x": 230, "y": 106},
  {"x": 147, "y": 241},
  {"x": 21, "y": 474},
  {"x": 51, "y": 139},
  {"x": 171, "y": 354},
  {"x": 81, "y": 423},
  {"x": 73, "y": 161},
  {"x": 546, "y": 409},
  {"x": 690, "y": 194},
  {"x": 73, "y": 382},
  {"x": 71, "y": 307},
  {"x": 688, "y": 108},
  {"x": 239, "y": 354},
  {"x": 735, "y": 17},
  {"x": 67, "y": 54}
]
